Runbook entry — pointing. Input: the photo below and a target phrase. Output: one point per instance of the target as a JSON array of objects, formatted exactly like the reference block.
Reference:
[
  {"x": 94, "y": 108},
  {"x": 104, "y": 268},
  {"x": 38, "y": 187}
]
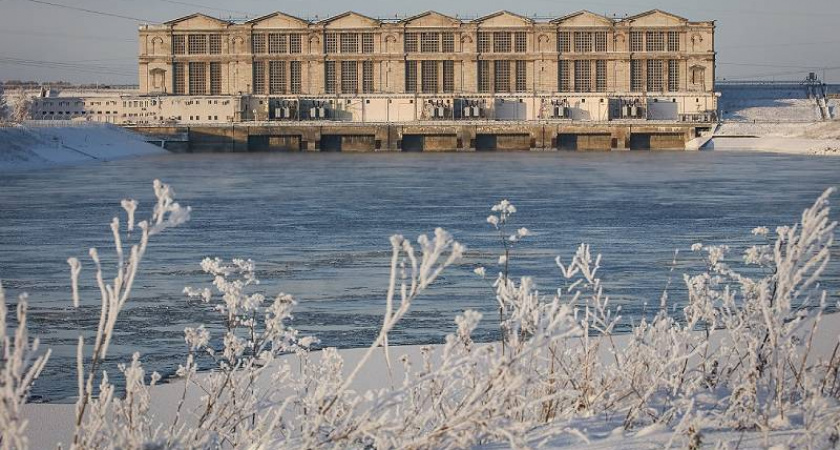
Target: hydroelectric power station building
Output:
[{"x": 587, "y": 80}]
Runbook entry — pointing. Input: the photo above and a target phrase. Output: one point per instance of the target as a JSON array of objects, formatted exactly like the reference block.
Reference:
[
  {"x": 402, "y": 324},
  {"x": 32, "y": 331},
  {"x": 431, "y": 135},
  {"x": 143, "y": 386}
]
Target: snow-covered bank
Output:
[
  {"x": 784, "y": 118},
  {"x": 790, "y": 146},
  {"x": 50, "y": 424},
  {"x": 768, "y": 102},
  {"x": 817, "y": 138},
  {"x": 43, "y": 145}
]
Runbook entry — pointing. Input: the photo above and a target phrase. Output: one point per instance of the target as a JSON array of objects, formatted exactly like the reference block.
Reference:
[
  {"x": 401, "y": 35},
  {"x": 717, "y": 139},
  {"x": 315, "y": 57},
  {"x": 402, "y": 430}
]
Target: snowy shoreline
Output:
[
  {"x": 50, "y": 424},
  {"x": 776, "y": 118},
  {"x": 810, "y": 138},
  {"x": 44, "y": 145}
]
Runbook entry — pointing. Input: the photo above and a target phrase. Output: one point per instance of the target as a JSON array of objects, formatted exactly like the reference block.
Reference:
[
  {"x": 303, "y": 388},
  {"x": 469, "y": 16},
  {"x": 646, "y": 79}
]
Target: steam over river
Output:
[{"x": 318, "y": 225}]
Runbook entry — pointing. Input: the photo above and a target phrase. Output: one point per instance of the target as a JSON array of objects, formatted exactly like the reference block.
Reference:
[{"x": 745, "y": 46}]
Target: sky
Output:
[{"x": 95, "y": 41}]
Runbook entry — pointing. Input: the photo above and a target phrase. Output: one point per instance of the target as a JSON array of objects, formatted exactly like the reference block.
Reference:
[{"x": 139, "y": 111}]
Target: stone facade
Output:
[
  {"x": 654, "y": 53},
  {"x": 503, "y": 67}
]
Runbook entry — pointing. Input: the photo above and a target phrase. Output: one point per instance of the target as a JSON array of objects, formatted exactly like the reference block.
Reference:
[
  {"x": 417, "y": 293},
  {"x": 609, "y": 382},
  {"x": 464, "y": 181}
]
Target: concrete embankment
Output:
[
  {"x": 37, "y": 145},
  {"x": 441, "y": 136}
]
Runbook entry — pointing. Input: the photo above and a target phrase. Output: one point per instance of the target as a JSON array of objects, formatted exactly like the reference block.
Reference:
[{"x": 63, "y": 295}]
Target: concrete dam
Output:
[{"x": 419, "y": 137}]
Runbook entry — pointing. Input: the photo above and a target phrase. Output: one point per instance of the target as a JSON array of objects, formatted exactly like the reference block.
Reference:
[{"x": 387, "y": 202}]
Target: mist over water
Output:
[{"x": 318, "y": 225}]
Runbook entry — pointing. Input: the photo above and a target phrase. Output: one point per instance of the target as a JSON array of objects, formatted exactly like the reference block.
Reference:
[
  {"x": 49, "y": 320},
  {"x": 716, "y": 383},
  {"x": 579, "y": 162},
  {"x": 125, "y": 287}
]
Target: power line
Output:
[
  {"x": 769, "y": 65},
  {"x": 196, "y": 5},
  {"x": 91, "y": 11},
  {"x": 780, "y": 74},
  {"x": 200, "y": 6},
  {"x": 45, "y": 34},
  {"x": 75, "y": 62},
  {"x": 797, "y": 44},
  {"x": 624, "y": 6},
  {"x": 75, "y": 67},
  {"x": 762, "y": 75},
  {"x": 769, "y": 13}
]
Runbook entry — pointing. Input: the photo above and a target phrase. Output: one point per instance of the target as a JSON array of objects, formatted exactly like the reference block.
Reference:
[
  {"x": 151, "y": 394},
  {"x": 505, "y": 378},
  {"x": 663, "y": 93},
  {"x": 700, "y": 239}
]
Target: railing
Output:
[
  {"x": 756, "y": 83},
  {"x": 62, "y": 124},
  {"x": 64, "y": 87}
]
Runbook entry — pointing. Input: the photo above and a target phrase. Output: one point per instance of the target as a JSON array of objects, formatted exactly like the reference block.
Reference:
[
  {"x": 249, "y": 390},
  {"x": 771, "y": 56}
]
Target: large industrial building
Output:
[
  {"x": 430, "y": 82},
  {"x": 431, "y": 66}
]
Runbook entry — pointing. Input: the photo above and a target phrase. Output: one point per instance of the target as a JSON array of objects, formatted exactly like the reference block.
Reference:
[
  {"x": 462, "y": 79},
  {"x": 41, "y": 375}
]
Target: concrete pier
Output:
[{"x": 441, "y": 136}]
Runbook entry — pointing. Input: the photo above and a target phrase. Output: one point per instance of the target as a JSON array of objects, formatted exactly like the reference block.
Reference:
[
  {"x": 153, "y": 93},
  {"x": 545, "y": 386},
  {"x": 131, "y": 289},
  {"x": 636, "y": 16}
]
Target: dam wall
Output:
[{"x": 418, "y": 137}]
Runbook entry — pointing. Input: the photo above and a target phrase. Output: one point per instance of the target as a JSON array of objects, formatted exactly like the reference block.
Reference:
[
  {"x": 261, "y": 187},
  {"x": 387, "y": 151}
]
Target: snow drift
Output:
[
  {"x": 767, "y": 103},
  {"x": 47, "y": 144}
]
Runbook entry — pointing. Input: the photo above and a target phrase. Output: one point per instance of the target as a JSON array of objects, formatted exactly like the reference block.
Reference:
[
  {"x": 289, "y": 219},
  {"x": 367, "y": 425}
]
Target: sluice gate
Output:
[
  {"x": 347, "y": 143},
  {"x": 588, "y": 142},
  {"x": 269, "y": 143},
  {"x": 502, "y": 142},
  {"x": 430, "y": 143},
  {"x": 657, "y": 141}
]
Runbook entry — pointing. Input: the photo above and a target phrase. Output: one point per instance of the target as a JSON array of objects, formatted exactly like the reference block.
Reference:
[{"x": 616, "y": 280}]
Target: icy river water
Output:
[{"x": 318, "y": 225}]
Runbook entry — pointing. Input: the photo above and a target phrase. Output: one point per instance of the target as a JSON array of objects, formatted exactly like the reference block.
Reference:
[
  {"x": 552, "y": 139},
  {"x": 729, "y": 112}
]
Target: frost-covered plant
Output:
[
  {"x": 577, "y": 368},
  {"x": 333, "y": 424},
  {"x": 313, "y": 407},
  {"x": 507, "y": 292},
  {"x": 114, "y": 294},
  {"x": 4, "y": 104},
  {"x": 739, "y": 354},
  {"x": 770, "y": 320},
  {"x": 231, "y": 410},
  {"x": 502, "y": 213},
  {"x": 22, "y": 363},
  {"x": 753, "y": 375},
  {"x": 18, "y": 106}
]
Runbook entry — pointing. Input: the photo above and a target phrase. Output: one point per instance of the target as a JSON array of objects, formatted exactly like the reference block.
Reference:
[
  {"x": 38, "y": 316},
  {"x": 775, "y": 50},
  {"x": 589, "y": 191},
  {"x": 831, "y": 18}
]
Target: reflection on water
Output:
[{"x": 318, "y": 227}]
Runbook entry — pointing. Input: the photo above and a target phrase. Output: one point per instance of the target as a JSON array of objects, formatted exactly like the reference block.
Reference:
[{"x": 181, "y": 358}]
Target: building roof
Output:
[
  {"x": 277, "y": 14},
  {"x": 503, "y": 13},
  {"x": 581, "y": 13},
  {"x": 652, "y": 12},
  {"x": 454, "y": 20},
  {"x": 348, "y": 14},
  {"x": 198, "y": 15},
  {"x": 430, "y": 13}
]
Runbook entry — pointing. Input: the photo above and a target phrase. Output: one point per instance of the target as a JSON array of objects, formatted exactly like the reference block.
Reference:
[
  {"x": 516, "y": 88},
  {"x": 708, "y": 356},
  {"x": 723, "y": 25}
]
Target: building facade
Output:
[
  {"x": 503, "y": 53},
  {"x": 130, "y": 108},
  {"x": 581, "y": 67}
]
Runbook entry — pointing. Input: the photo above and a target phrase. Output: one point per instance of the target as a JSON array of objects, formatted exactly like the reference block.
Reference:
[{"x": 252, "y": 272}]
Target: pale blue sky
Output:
[{"x": 768, "y": 39}]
